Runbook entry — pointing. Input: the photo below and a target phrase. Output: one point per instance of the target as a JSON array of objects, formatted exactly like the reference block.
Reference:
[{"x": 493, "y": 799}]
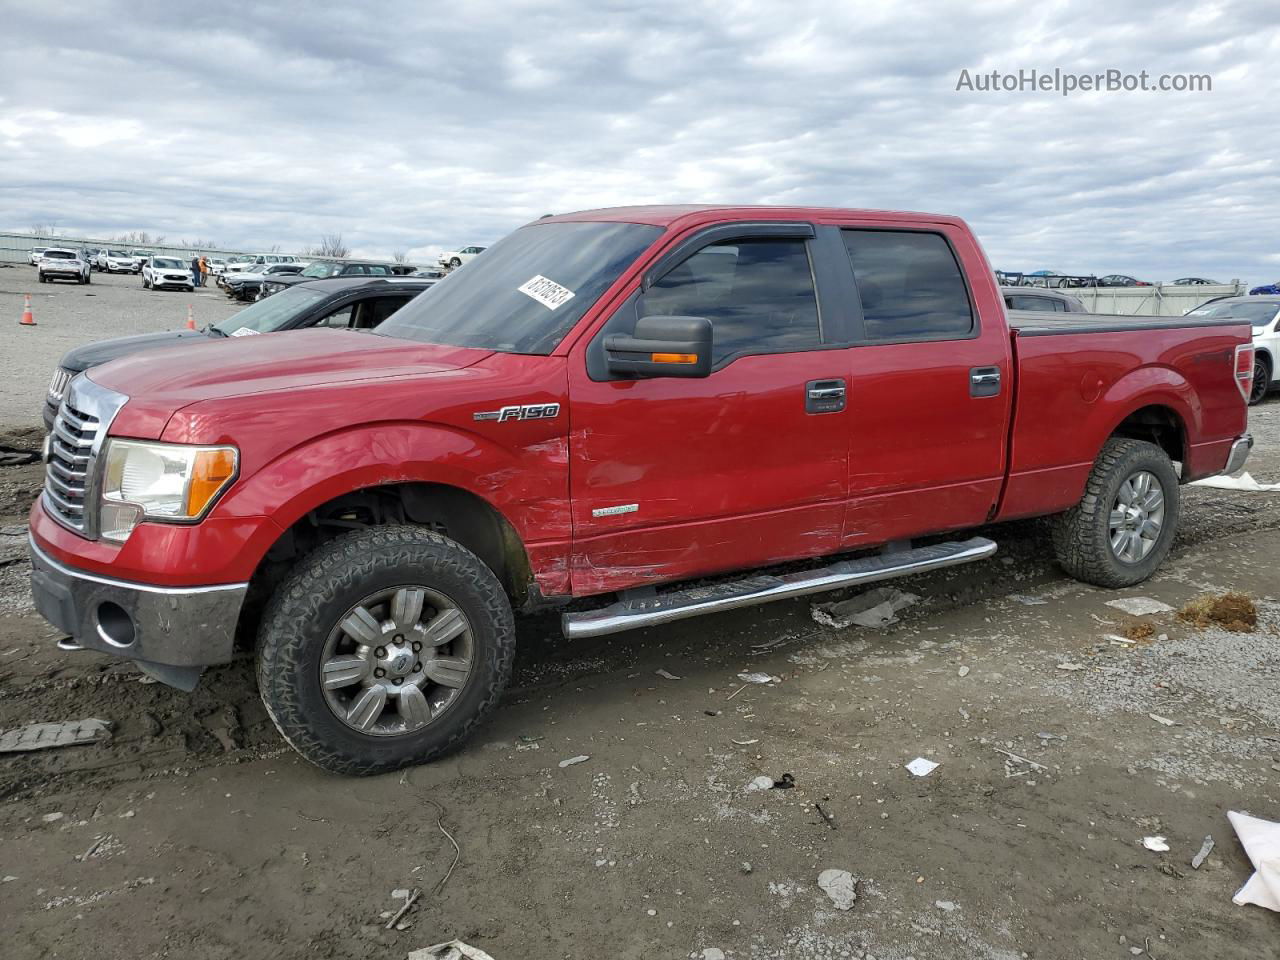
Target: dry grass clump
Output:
[
  {"x": 1139, "y": 631},
  {"x": 1232, "y": 610}
]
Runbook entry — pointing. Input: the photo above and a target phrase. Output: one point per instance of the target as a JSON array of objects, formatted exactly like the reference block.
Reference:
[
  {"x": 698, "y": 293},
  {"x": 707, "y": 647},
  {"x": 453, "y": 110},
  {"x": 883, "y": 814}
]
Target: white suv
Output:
[
  {"x": 115, "y": 261},
  {"x": 456, "y": 258},
  {"x": 160, "y": 272},
  {"x": 58, "y": 263}
]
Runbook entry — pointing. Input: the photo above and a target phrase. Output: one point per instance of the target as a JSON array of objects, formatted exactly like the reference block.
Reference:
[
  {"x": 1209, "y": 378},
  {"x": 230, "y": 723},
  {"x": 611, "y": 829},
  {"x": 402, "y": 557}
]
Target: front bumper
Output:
[{"x": 166, "y": 626}]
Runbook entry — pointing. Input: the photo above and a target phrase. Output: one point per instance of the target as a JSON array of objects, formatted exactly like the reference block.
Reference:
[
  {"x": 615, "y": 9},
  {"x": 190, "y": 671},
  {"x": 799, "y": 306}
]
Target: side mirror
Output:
[{"x": 662, "y": 347}]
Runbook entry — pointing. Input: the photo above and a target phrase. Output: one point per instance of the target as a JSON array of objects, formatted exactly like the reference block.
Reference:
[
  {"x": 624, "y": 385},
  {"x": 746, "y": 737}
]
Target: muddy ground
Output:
[{"x": 194, "y": 833}]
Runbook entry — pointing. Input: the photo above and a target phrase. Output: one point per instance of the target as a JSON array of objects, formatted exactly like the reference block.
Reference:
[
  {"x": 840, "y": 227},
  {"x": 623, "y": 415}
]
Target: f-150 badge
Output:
[{"x": 529, "y": 411}]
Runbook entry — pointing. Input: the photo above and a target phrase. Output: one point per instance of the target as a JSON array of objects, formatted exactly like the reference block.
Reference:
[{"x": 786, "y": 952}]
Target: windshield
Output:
[
  {"x": 167, "y": 263},
  {"x": 1258, "y": 314},
  {"x": 116, "y": 253},
  {"x": 270, "y": 314},
  {"x": 322, "y": 270},
  {"x": 527, "y": 291},
  {"x": 59, "y": 255}
]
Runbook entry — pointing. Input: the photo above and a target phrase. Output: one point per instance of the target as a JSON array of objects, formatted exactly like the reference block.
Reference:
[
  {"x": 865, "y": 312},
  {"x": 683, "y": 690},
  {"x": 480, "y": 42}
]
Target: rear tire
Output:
[
  {"x": 1261, "y": 383},
  {"x": 1123, "y": 526},
  {"x": 355, "y": 580}
]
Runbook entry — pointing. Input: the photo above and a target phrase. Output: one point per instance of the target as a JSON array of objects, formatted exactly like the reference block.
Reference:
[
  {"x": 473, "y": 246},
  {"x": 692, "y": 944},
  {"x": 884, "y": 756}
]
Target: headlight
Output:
[{"x": 160, "y": 481}]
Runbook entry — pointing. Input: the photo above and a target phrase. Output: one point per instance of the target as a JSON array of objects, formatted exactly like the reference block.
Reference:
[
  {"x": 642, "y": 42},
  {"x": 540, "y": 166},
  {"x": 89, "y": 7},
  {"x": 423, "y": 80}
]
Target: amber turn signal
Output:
[
  {"x": 674, "y": 357},
  {"x": 209, "y": 474}
]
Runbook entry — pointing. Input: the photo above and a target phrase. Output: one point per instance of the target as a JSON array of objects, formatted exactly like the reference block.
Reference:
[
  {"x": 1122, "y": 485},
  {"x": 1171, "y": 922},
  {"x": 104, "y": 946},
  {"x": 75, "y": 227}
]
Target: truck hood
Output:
[
  {"x": 239, "y": 366},
  {"x": 82, "y": 358}
]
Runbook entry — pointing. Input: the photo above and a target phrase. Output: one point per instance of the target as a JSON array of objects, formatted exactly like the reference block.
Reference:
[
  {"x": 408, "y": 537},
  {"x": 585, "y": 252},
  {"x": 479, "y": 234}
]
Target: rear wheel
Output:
[
  {"x": 1261, "y": 381},
  {"x": 386, "y": 647},
  {"x": 1123, "y": 526}
]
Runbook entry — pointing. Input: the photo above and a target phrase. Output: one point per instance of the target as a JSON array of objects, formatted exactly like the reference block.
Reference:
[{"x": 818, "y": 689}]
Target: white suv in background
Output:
[
  {"x": 115, "y": 261},
  {"x": 160, "y": 272},
  {"x": 456, "y": 258},
  {"x": 58, "y": 263}
]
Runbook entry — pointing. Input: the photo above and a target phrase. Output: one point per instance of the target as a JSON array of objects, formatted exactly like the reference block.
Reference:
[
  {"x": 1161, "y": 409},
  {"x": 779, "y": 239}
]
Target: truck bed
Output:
[{"x": 1026, "y": 323}]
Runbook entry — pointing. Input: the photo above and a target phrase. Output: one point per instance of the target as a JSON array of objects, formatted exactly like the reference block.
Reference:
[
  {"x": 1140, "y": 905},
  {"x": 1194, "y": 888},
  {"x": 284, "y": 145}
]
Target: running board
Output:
[{"x": 716, "y": 598}]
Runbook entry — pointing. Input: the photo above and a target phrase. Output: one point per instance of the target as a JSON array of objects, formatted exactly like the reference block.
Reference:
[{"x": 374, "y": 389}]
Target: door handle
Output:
[
  {"x": 824, "y": 396},
  {"x": 984, "y": 382}
]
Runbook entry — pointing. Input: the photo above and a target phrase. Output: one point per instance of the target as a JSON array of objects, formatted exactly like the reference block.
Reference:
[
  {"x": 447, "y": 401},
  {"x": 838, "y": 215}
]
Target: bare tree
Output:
[
  {"x": 44, "y": 229},
  {"x": 275, "y": 248},
  {"x": 399, "y": 256},
  {"x": 331, "y": 245}
]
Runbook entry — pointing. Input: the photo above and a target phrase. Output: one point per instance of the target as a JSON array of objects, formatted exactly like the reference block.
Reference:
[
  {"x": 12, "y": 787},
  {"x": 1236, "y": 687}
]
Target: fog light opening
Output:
[{"x": 115, "y": 626}]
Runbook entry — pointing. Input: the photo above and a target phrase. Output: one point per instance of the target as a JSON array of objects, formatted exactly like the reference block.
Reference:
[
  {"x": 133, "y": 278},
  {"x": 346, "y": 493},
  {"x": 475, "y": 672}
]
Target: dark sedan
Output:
[
  {"x": 356, "y": 303},
  {"x": 324, "y": 269}
]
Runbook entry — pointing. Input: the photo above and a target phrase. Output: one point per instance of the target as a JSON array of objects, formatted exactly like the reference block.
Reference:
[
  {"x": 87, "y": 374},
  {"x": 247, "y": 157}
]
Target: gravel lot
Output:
[
  {"x": 69, "y": 314},
  {"x": 194, "y": 832}
]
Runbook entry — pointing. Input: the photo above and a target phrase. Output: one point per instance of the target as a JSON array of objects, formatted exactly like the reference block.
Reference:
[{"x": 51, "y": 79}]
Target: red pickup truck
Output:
[{"x": 606, "y": 402}]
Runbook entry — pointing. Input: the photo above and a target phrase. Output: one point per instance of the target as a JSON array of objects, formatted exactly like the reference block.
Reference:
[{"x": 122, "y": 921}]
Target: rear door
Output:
[
  {"x": 671, "y": 478},
  {"x": 930, "y": 387}
]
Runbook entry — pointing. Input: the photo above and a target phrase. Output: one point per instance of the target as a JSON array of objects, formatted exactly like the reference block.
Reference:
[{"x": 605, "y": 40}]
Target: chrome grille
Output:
[
  {"x": 70, "y": 455},
  {"x": 79, "y": 429},
  {"x": 58, "y": 385}
]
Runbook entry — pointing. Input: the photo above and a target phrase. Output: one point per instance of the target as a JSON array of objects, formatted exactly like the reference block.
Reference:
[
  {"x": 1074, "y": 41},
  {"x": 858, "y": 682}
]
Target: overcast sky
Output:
[{"x": 262, "y": 124}]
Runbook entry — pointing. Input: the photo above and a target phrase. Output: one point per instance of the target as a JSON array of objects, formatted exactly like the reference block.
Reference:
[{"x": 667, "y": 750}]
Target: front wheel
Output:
[
  {"x": 1123, "y": 526},
  {"x": 455, "y": 262},
  {"x": 386, "y": 647}
]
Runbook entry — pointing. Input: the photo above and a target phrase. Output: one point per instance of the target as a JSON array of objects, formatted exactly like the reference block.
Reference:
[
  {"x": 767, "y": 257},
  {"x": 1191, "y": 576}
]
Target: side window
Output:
[
  {"x": 378, "y": 270},
  {"x": 757, "y": 293},
  {"x": 1038, "y": 304},
  {"x": 376, "y": 309},
  {"x": 340, "y": 318},
  {"x": 910, "y": 284}
]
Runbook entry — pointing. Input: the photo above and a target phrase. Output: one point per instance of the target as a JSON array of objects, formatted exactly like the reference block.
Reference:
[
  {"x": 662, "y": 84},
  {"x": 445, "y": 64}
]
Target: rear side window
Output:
[
  {"x": 910, "y": 284},
  {"x": 757, "y": 293},
  {"x": 1038, "y": 304}
]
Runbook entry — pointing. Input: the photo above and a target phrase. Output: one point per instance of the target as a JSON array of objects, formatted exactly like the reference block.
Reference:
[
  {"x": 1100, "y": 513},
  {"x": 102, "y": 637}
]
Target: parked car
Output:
[
  {"x": 216, "y": 265},
  {"x": 115, "y": 261},
  {"x": 428, "y": 273},
  {"x": 1194, "y": 282},
  {"x": 609, "y": 401},
  {"x": 1039, "y": 300},
  {"x": 247, "y": 285},
  {"x": 1262, "y": 313},
  {"x": 248, "y": 263},
  {"x": 58, "y": 263},
  {"x": 1120, "y": 280},
  {"x": 1267, "y": 289},
  {"x": 323, "y": 269},
  {"x": 456, "y": 258},
  {"x": 160, "y": 273},
  {"x": 354, "y": 303},
  {"x": 140, "y": 257},
  {"x": 33, "y": 257}
]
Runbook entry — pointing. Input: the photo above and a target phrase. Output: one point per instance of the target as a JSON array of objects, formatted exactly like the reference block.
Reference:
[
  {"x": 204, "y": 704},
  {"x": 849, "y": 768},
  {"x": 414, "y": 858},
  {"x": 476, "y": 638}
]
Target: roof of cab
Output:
[{"x": 667, "y": 215}]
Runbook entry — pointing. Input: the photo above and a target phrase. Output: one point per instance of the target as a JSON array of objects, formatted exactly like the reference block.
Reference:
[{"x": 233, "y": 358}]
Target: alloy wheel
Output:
[
  {"x": 396, "y": 661},
  {"x": 1137, "y": 517}
]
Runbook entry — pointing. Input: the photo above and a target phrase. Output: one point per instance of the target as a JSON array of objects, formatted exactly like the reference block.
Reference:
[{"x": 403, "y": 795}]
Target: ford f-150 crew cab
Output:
[{"x": 605, "y": 403}]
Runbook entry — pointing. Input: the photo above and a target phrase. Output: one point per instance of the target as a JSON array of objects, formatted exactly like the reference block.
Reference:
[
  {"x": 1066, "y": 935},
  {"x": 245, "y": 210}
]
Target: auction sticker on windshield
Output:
[{"x": 547, "y": 292}]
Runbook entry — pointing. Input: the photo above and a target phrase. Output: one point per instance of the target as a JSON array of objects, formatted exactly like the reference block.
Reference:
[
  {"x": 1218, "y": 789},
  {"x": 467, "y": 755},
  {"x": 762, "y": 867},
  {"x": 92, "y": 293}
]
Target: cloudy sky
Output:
[{"x": 403, "y": 129}]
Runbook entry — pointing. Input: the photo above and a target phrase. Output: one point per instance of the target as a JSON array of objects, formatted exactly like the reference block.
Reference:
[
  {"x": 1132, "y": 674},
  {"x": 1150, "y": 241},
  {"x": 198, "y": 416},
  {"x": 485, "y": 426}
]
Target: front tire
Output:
[
  {"x": 386, "y": 647},
  {"x": 1123, "y": 526},
  {"x": 455, "y": 262}
]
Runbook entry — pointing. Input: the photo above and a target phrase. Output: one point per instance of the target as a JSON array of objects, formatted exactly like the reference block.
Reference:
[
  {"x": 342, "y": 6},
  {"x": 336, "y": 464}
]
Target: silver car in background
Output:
[{"x": 59, "y": 263}]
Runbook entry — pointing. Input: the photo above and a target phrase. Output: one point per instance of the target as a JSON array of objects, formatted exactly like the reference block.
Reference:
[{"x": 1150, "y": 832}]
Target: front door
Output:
[{"x": 674, "y": 478}]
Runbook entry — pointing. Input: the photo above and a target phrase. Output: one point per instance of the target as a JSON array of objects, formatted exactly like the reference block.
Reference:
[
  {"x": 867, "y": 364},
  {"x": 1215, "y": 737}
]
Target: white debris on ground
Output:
[
  {"x": 1261, "y": 842},
  {"x": 1244, "y": 482},
  {"x": 759, "y": 678},
  {"x": 453, "y": 950},
  {"x": 840, "y": 886},
  {"x": 582, "y": 758},
  {"x": 759, "y": 783},
  {"x": 922, "y": 767},
  {"x": 1158, "y": 844},
  {"x": 1140, "y": 606},
  {"x": 875, "y": 608}
]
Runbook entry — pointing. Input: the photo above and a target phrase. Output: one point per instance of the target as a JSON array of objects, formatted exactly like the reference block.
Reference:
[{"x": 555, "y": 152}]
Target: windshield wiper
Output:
[{"x": 213, "y": 329}]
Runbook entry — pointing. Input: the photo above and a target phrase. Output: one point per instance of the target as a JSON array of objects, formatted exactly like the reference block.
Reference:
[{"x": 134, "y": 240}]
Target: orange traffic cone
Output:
[
  {"x": 27, "y": 319},
  {"x": 191, "y": 318}
]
